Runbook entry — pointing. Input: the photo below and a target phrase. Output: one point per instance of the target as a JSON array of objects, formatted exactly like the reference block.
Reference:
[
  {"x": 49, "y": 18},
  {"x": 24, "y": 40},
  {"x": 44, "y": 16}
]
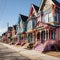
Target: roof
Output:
[
  {"x": 36, "y": 7},
  {"x": 4, "y": 33},
  {"x": 9, "y": 28},
  {"x": 56, "y": 2},
  {"x": 23, "y": 17},
  {"x": 15, "y": 26},
  {"x": 33, "y": 7}
]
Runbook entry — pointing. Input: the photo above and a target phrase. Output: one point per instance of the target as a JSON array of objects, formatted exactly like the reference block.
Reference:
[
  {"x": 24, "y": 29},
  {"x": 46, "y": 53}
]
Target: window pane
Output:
[
  {"x": 46, "y": 18},
  {"x": 50, "y": 17}
]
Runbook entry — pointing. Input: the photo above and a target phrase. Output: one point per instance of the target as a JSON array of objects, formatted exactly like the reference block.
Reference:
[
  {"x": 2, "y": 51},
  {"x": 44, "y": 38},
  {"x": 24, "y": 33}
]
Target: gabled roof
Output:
[
  {"x": 56, "y": 3},
  {"x": 23, "y": 17},
  {"x": 36, "y": 7},
  {"x": 9, "y": 28},
  {"x": 53, "y": 1},
  {"x": 15, "y": 26},
  {"x": 4, "y": 33}
]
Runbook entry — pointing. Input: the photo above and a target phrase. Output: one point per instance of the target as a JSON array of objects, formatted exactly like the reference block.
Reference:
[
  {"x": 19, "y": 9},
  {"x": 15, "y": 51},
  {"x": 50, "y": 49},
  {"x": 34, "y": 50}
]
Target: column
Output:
[
  {"x": 57, "y": 35},
  {"x": 40, "y": 36},
  {"x": 27, "y": 36},
  {"x": 23, "y": 36},
  {"x": 45, "y": 34},
  {"x": 48, "y": 34},
  {"x": 33, "y": 39},
  {"x": 18, "y": 38},
  {"x": 36, "y": 36}
]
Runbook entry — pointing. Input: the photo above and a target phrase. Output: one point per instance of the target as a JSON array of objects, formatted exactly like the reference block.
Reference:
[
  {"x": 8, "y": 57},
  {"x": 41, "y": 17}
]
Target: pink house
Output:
[
  {"x": 43, "y": 26},
  {"x": 47, "y": 30}
]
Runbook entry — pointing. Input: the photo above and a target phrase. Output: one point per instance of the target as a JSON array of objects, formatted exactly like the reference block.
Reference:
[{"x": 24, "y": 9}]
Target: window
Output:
[
  {"x": 29, "y": 26},
  {"x": 59, "y": 34},
  {"x": 53, "y": 34},
  {"x": 50, "y": 17},
  {"x": 58, "y": 17},
  {"x": 34, "y": 23},
  {"x": 45, "y": 18}
]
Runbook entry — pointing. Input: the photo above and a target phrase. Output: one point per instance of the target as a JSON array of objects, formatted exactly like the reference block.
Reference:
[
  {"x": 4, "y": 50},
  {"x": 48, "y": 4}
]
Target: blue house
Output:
[{"x": 21, "y": 26}]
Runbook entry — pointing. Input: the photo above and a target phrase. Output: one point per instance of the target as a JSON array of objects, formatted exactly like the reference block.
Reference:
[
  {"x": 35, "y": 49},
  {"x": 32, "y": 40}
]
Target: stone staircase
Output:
[
  {"x": 43, "y": 46},
  {"x": 39, "y": 47}
]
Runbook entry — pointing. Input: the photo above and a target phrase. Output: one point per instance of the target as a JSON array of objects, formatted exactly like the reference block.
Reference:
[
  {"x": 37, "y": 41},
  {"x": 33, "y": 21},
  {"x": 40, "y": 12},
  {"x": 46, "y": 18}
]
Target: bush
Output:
[{"x": 30, "y": 46}]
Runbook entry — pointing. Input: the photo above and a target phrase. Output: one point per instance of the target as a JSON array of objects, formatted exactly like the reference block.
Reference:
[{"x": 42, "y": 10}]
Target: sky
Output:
[{"x": 10, "y": 10}]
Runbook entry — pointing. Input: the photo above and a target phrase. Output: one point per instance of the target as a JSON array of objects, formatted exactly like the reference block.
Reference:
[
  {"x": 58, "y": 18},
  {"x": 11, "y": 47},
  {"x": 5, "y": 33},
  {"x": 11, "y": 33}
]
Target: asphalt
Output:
[
  {"x": 31, "y": 54},
  {"x": 10, "y": 54}
]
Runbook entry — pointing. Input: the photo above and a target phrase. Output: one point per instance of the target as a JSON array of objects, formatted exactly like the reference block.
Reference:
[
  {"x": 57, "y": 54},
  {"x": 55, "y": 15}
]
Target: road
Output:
[{"x": 9, "y": 54}]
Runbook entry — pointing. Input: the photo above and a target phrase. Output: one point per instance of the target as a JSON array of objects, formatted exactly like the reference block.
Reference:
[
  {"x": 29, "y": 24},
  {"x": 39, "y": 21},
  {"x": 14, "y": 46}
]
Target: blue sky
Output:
[{"x": 10, "y": 10}]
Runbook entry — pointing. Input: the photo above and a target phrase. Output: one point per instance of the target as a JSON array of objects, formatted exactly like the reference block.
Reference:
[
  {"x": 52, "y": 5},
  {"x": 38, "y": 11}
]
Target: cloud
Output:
[{"x": 2, "y": 30}]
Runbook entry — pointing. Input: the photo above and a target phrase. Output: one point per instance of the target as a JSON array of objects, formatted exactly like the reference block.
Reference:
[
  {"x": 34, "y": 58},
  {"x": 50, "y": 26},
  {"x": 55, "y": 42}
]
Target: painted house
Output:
[
  {"x": 13, "y": 32},
  {"x": 47, "y": 29},
  {"x": 9, "y": 33},
  {"x": 31, "y": 23},
  {"x": 42, "y": 26},
  {"x": 4, "y": 37},
  {"x": 21, "y": 27}
]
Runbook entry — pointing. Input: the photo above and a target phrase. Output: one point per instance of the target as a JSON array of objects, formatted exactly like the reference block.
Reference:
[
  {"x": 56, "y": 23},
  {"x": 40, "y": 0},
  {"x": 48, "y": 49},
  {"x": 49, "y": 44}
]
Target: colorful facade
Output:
[
  {"x": 13, "y": 32},
  {"x": 42, "y": 26},
  {"x": 41, "y": 29},
  {"x": 4, "y": 37},
  {"x": 48, "y": 25},
  {"x": 9, "y": 34},
  {"x": 21, "y": 28}
]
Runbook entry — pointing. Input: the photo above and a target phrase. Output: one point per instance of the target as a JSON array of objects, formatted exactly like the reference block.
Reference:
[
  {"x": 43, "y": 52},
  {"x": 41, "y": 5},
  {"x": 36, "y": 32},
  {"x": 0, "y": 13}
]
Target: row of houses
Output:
[
  {"x": 9, "y": 35},
  {"x": 40, "y": 30}
]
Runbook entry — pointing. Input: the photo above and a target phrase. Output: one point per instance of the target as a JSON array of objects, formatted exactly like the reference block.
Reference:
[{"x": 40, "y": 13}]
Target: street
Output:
[{"x": 9, "y": 54}]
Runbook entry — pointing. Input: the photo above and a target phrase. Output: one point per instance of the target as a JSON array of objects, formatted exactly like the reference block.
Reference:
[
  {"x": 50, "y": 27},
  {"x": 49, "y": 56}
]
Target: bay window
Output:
[
  {"x": 47, "y": 18},
  {"x": 50, "y": 17}
]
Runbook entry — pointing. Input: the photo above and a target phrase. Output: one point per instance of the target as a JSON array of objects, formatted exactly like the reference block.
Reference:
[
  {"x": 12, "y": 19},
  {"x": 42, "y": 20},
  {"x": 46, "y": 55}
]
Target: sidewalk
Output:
[{"x": 34, "y": 55}]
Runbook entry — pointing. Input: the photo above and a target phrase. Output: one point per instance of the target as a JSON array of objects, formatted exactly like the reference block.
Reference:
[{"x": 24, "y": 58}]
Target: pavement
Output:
[
  {"x": 31, "y": 54},
  {"x": 10, "y": 54}
]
